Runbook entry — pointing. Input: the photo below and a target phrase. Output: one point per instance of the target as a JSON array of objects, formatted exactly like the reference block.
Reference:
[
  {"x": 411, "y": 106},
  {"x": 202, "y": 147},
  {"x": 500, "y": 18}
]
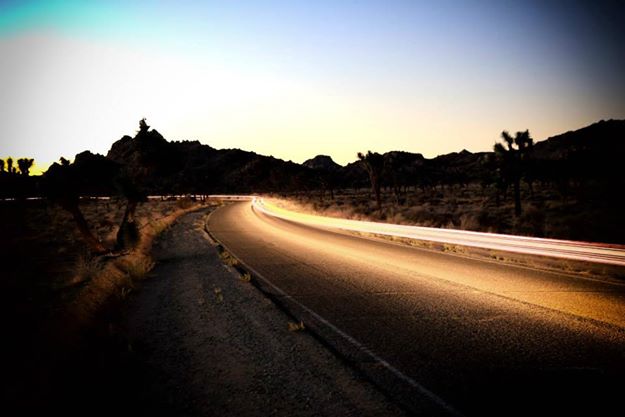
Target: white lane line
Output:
[{"x": 356, "y": 344}]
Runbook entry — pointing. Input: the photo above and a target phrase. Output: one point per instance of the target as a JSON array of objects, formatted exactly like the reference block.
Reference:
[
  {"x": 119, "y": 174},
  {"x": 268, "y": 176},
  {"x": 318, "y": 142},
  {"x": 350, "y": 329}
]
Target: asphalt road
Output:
[{"x": 441, "y": 333}]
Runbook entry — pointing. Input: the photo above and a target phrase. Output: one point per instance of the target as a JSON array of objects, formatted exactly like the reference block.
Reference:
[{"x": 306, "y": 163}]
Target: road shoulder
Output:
[{"x": 212, "y": 344}]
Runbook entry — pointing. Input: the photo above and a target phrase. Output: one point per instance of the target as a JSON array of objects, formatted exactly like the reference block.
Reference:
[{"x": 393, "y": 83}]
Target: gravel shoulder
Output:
[{"x": 210, "y": 343}]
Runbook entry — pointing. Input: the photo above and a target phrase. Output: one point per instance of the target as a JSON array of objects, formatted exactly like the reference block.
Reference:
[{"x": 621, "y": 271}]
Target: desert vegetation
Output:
[
  {"x": 58, "y": 297},
  {"x": 72, "y": 256},
  {"x": 374, "y": 164},
  {"x": 75, "y": 241},
  {"x": 87, "y": 235},
  {"x": 566, "y": 187},
  {"x": 545, "y": 214},
  {"x": 512, "y": 158},
  {"x": 15, "y": 179}
]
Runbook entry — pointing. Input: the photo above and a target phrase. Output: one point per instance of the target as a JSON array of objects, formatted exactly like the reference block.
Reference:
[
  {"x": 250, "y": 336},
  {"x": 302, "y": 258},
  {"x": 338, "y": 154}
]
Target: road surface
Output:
[
  {"x": 205, "y": 343},
  {"x": 442, "y": 333}
]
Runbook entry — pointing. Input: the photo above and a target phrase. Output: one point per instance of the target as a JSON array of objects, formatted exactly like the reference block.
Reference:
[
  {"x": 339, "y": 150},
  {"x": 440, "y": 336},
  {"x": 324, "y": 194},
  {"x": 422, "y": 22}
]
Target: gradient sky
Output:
[{"x": 294, "y": 79}]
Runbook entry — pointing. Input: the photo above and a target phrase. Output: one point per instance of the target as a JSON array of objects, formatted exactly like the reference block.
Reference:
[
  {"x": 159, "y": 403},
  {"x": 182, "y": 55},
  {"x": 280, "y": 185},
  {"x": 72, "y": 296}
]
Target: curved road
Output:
[{"x": 442, "y": 333}]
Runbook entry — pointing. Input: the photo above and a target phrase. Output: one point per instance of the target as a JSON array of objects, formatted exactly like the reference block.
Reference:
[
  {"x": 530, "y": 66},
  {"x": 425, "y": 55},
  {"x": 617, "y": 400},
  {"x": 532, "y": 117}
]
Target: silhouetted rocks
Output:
[
  {"x": 163, "y": 167},
  {"x": 591, "y": 154},
  {"x": 154, "y": 165},
  {"x": 603, "y": 138},
  {"x": 322, "y": 162}
]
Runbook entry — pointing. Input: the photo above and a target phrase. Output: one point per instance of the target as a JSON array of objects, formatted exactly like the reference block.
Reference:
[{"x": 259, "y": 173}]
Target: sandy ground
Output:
[{"x": 209, "y": 343}]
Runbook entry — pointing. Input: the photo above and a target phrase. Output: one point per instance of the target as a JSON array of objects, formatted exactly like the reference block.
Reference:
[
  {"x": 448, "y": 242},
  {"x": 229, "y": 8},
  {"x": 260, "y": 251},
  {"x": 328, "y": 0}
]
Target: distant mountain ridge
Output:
[
  {"x": 192, "y": 167},
  {"x": 603, "y": 137},
  {"x": 590, "y": 151}
]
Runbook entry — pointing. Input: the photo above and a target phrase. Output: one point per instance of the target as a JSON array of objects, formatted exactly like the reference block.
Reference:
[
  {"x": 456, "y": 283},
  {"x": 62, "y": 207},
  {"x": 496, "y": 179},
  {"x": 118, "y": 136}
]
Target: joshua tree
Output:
[
  {"x": 513, "y": 155},
  {"x": 24, "y": 165},
  {"x": 373, "y": 163},
  {"x": 61, "y": 186},
  {"x": 128, "y": 233},
  {"x": 143, "y": 126},
  {"x": 131, "y": 183}
]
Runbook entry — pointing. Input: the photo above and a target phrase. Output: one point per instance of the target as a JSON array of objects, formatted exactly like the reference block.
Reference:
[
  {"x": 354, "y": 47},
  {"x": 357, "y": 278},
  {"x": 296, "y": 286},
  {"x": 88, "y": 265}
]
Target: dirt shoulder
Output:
[
  {"x": 60, "y": 306},
  {"x": 209, "y": 343}
]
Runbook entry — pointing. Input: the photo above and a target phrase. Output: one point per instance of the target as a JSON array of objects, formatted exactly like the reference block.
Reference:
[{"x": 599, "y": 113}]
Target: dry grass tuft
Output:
[
  {"x": 185, "y": 203},
  {"x": 137, "y": 267},
  {"x": 218, "y": 294},
  {"x": 227, "y": 258},
  {"x": 156, "y": 227},
  {"x": 246, "y": 277},
  {"x": 296, "y": 327}
]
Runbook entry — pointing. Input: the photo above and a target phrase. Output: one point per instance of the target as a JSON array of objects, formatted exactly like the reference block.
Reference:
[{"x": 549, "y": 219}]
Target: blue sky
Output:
[{"x": 295, "y": 79}]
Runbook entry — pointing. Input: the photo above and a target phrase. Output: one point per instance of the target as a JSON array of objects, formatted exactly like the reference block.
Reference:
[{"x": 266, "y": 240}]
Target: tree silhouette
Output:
[
  {"x": 62, "y": 185},
  {"x": 1, "y": 165},
  {"x": 134, "y": 178},
  {"x": 143, "y": 126},
  {"x": 513, "y": 154},
  {"x": 328, "y": 181},
  {"x": 24, "y": 165},
  {"x": 88, "y": 175},
  {"x": 128, "y": 232},
  {"x": 373, "y": 163},
  {"x": 10, "y": 168}
]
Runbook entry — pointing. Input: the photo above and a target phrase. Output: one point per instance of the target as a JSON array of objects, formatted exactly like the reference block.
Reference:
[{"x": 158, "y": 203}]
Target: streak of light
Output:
[{"x": 565, "y": 249}]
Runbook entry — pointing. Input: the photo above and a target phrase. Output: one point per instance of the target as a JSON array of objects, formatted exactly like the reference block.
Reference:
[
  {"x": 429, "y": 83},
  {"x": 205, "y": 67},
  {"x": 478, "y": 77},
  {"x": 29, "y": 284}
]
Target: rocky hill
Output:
[
  {"x": 591, "y": 154},
  {"x": 604, "y": 138},
  {"x": 191, "y": 167},
  {"x": 322, "y": 162}
]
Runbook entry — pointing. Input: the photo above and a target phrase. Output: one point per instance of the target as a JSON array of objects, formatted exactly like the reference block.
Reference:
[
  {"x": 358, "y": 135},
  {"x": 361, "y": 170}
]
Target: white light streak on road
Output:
[{"x": 566, "y": 249}]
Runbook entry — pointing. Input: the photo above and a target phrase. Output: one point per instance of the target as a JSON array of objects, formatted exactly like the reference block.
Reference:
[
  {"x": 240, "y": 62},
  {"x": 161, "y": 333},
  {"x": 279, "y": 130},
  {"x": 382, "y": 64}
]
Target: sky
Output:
[{"x": 295, "y": 79}]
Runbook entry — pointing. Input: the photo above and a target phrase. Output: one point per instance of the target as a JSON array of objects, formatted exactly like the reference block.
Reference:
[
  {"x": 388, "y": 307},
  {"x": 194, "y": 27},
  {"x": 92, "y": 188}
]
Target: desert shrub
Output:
[
  {"x": 394, "y": 217},
  {"x": 531, "y": 222},
  {"x": 469, "y": 221},
  {"x": 157, "y": 226},
  {"x": 185, "y": 203},
  {"x": 417, "y": 215},
  {"x": 136, "y": 267},
  {"x": 487, "y": 220}
]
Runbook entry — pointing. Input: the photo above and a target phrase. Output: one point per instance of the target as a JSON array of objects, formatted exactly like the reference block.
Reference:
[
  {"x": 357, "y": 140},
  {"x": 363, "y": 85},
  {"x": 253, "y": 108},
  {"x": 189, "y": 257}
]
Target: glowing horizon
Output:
[{"x": 298, "y": 80}]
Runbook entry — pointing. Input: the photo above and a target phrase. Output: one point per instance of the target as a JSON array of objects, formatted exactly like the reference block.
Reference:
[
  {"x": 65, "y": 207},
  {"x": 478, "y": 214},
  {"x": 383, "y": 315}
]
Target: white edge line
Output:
[{"x": 355, "y": 343}]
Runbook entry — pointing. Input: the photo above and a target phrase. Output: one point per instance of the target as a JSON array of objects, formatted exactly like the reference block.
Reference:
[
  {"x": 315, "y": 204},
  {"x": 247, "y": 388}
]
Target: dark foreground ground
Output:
[{"x": 195, "y": 339}]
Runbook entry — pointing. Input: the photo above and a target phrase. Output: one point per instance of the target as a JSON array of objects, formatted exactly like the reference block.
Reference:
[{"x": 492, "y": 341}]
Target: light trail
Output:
[
  {"x": 564, "y": 249},
  {"x": 229, "y": 197},
  {"x": 437, "y": 319}
]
